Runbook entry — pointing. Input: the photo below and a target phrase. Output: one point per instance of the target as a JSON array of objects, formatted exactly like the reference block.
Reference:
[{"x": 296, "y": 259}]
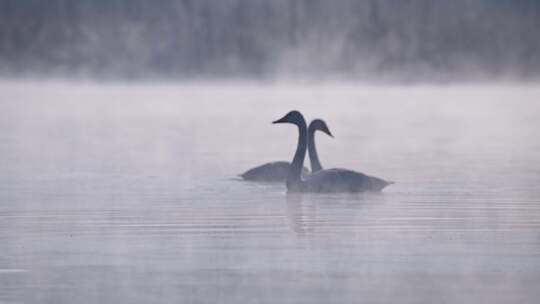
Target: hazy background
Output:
[
  {"x": 121, "y": 184},
  {"x": 408, "y": 40}
]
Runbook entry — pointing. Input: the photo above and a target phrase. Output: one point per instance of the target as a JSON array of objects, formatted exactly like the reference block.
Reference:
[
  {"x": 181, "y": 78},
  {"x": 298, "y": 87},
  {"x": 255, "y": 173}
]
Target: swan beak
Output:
[
  {"x": 328, "y": 133},
  {"x": 281, "y": 120}
]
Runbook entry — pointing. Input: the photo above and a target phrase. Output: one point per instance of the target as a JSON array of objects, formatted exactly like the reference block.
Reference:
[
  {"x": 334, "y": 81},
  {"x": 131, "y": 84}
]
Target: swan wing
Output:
[
  {"x": 342, "y": 180},
  {"x": 270, "y": 172}
]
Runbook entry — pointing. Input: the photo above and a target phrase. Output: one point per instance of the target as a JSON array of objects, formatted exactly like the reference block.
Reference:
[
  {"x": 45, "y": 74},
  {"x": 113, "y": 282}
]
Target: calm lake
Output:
[{"x": 129, "y": 194}]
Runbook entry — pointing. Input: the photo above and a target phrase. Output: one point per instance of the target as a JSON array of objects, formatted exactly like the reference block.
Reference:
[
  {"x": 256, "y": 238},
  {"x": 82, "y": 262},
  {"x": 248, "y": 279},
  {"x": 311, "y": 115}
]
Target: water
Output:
[{"x": 128, "y": 193}]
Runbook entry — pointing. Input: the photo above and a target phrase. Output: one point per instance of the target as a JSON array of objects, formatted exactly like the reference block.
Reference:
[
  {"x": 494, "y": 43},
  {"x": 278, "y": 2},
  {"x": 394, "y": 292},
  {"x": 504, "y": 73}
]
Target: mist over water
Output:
[
  {"x": 373, "y": 40},
  {"x": 118, "y": 193},
  {"x": 124, "y": 126}
]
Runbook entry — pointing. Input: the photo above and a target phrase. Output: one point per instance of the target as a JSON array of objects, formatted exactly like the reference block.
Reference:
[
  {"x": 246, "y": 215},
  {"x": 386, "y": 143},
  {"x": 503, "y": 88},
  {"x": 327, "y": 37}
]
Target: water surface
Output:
[{"x": 128, "y": 193}]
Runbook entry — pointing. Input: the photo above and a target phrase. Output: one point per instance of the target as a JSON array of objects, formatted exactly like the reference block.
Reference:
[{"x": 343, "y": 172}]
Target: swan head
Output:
[
  {"x": 319, "y": 124},
  {"x": 293, "y": 117}
]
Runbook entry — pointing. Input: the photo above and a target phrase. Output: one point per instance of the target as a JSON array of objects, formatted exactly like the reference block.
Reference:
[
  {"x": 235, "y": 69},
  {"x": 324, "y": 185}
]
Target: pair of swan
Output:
[
  {"x": 278, "y": 171},
  {"x": 329, "y": 180}
]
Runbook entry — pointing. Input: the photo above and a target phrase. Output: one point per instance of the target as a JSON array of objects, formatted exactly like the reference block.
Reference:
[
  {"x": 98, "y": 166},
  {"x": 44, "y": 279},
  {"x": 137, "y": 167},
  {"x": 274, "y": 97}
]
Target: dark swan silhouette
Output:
[
  {"x": 331, "y": 180},
  {"x": 278, "y": 171}
]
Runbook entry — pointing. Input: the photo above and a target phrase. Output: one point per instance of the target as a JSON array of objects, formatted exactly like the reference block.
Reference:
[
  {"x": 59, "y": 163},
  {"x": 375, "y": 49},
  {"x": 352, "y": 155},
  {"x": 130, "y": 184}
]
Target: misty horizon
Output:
[
  {"x": 269, "y": 151},
  {"x": 360, "y": 40}
]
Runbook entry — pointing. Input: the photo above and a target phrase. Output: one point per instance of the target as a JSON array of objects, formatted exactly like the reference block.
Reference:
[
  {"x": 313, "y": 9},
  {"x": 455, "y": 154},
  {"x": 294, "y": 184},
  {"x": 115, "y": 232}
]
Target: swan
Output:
[
  {"x": 330, "y": 180},
  {"x": 278, "y": 171}
]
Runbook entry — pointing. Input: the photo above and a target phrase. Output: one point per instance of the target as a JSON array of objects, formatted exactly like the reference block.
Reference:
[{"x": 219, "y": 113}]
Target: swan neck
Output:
[
  {"x": 313, "y": 155},
  {"x": 294, "y": 179}
]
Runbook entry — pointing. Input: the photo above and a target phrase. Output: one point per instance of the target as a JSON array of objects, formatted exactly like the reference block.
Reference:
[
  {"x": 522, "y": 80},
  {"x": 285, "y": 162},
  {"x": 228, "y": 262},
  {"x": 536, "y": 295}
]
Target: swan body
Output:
[
  {"x": 331, "y": 180},
  {"x": 342, "y": 180},
  {"x": 278, "y": 171},
  {"x": 270, "y": 172}
]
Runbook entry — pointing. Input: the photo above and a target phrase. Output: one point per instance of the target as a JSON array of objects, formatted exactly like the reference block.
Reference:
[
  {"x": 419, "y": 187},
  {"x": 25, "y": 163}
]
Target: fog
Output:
[
  {"x": 125, "y": 126},
  {"x": 117, "y": 193},
  {"x": 397, "y": 41}
]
